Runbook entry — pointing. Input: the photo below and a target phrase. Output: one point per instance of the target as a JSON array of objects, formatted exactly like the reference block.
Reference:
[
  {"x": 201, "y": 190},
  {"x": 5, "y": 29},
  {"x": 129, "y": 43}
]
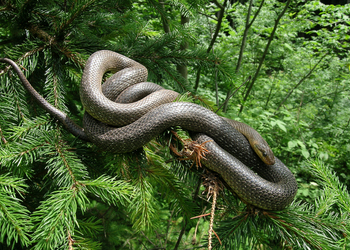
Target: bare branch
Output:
[
  {"x": 264, "y": 54},
  {"x": 244, "y": 40},
  {"x": 301, "y": 81}
]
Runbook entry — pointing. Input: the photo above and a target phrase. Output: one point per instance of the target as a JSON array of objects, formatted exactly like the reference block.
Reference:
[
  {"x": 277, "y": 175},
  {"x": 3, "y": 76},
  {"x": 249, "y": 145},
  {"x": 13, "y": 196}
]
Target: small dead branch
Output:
[
  {"x": 213, "y": 187},
  {"x": 192, "y": 150}
]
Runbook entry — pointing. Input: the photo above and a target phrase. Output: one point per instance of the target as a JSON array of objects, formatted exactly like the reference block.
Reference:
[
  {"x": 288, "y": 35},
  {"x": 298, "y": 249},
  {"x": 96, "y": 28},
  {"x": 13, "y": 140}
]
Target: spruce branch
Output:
[
  {"x": 159, "y": 53},
  {"x": 53, "y": 85},
  {"x": 90, "y": 226},
  {"x": 64, "y": 165},
  {"x": 41, "y": 34},
  {"x": 331, "y": 184},
  {"x": 296, "y": 226},
  {"x": 23, "y": 58},
  {"x": 18, "y": 156},
  {"x": 143, "y": 207},
  {"x": 83, "y": 242},
  {"x": 28, "y": 127},
  {"x": 15, "y": 221},
  {"x": 110, "y": 190},
  {"x": 76, "y": 11},
  {"x": 13, "y": 95},
  {"x": 56, "y": 218},
  {"x": 176, "y": 192}
]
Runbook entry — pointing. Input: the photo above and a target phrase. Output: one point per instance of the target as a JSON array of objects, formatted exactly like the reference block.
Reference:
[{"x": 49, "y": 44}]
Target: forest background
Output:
[{"x": 58, "y": 192}]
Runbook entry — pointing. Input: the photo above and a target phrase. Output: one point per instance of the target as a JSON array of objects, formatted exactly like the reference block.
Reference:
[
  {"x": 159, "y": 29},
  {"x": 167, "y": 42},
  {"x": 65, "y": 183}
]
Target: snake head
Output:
[{"x": 265, "y": 153}]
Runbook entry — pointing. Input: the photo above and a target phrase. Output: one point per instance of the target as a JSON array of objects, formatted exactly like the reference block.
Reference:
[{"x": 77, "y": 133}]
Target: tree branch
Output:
[
  {"x": 234, "y": 92},
  {"x": 245, "y": 33},
  {"x": 216, "y": 33},
  {"x": 218, "y": 25},
  {"x": 301, "y": 81},
  {"x": 182, "y": 68},
  {"x": 264, "y": 54},
  {"x": 244, "y": 40},
  {"x": 248, "y": 25},
  {"x": 164, "y": 20}
]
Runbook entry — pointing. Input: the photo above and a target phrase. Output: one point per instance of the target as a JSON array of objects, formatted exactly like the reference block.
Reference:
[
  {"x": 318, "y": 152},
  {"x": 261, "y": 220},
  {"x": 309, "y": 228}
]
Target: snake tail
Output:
[{"x": 67, "y": 122}]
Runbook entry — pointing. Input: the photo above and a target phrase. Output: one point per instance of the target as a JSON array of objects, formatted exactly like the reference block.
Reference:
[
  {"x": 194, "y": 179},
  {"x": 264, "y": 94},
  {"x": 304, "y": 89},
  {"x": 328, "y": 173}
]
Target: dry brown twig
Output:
[
  {"x": 191, "y": 150},
  {"x": 213, "y": 187},
  {"x": 196, "y": 152}
]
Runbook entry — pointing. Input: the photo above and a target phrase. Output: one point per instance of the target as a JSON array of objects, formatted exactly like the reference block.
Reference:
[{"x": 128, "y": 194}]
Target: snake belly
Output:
[{"x": 124, "y": 127}]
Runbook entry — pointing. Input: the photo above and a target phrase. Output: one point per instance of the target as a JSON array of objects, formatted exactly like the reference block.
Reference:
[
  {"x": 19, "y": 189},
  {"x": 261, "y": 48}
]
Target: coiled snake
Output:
[{"x": 124, "y": 127}]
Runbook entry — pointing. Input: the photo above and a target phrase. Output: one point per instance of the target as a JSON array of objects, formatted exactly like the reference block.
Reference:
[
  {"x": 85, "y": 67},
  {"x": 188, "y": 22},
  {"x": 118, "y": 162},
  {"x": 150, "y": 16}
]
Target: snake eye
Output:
[{"x": 264, "y": 154}]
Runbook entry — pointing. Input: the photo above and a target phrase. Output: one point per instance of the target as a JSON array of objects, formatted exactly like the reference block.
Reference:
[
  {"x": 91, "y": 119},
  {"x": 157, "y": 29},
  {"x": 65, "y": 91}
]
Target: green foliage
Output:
[
  {"x": 15, "y": 223},
  {"x": 58, "y": 192},
  {"x": 301, "y": 226}
]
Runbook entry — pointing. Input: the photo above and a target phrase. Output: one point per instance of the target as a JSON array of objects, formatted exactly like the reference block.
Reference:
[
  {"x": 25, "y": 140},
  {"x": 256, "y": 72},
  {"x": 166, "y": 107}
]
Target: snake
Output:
[{"x": 235, "y": 151}]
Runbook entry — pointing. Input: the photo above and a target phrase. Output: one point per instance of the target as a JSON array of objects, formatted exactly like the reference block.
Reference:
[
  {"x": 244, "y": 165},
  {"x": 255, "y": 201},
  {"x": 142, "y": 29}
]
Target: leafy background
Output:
[{"x": 58, "y": 192}]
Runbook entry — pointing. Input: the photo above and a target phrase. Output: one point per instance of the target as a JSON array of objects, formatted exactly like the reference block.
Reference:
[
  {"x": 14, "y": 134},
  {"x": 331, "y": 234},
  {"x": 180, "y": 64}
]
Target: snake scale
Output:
[{"x": 114, "y": 124}]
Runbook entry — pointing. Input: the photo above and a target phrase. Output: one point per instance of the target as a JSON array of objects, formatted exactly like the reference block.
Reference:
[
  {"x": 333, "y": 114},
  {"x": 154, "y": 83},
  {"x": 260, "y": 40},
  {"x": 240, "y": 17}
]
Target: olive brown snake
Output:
[{"x": 124, "y": 127}]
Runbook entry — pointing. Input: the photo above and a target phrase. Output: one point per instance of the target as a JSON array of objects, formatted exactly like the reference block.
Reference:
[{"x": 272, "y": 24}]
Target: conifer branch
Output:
[
  {"x": 15, "y": 222},
  {"x": 56, "y": 217},
  {"x": 75, "y": 196},
  {"x": 74, "y": 15},
  {"x": 110, "y": 190},
  {"x": 331, "y": 182}
]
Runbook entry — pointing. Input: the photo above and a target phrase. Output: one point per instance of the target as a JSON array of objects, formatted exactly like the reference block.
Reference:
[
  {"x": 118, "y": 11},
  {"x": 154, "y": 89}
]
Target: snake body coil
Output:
[{"x": 273, "y": 188}]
